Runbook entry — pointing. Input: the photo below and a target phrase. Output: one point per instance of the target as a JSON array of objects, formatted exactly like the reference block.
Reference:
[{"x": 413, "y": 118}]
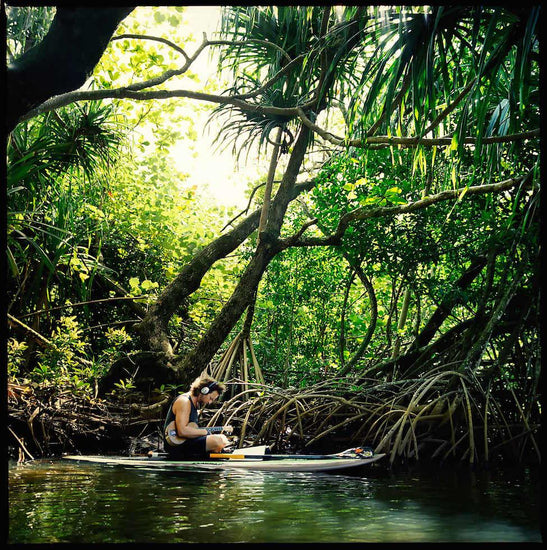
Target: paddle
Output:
[
  {"x": 358, "y": 452},
  {"x": 249, "y": 451}
]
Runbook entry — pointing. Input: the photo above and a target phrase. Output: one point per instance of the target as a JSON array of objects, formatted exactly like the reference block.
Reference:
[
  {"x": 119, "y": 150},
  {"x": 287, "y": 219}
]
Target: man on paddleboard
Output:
[{"x": 182, "y": 436}]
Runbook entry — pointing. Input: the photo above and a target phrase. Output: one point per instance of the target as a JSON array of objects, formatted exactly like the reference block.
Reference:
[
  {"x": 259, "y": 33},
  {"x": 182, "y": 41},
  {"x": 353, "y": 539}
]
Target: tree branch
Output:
[
  {"x": 153, "y": 38},
  {"x": 131, "y": 92},
  {"x": 364, "y": 213},
  {"x": 388, "y": 141},
  {"x": 128, "y": 92},
  {"x": 139, "y": 91}
]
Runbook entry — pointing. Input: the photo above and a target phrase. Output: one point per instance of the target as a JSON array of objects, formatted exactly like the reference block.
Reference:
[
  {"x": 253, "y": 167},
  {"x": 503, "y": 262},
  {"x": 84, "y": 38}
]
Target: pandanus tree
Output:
[
  {"x": 56, "y": 185},
  {"x": 450, "y": 90}
]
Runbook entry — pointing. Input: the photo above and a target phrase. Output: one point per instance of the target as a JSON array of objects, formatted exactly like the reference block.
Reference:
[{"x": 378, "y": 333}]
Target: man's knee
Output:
[{"x": 216, "y": 443}]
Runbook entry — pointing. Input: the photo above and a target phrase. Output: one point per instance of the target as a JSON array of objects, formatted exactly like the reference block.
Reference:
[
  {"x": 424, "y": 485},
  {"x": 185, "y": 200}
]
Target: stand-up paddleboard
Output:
[{"x": 242, "y": 459}]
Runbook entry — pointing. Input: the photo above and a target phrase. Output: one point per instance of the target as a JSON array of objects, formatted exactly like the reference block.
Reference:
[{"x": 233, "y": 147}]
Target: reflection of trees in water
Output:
[{"x": 58, "y": 501}]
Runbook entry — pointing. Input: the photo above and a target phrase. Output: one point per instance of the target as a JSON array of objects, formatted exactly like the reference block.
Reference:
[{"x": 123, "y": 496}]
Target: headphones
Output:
[{"x": 207, "y": 389}]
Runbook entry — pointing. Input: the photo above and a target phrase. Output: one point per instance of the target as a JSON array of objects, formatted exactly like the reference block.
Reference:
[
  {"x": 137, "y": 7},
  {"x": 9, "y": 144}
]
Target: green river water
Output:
[{"x": 59, "y": 501}]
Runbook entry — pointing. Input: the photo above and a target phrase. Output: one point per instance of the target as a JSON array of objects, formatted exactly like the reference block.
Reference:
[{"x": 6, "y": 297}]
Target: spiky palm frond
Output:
[
  {"x": 57, "y": 167},
  {"x": 446, "y": 70},
  {"x": 426, "y": 60},
  {"x": 85, "y": 136},
  {"x": 266, "y": 40},
  {"x": 80, "y": 138},
  {"x": 243, "y": 128}
]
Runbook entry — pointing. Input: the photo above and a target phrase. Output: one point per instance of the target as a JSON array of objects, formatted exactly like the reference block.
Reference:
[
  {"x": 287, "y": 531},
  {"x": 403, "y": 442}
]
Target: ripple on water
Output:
[{"x": 56, "y": 501}]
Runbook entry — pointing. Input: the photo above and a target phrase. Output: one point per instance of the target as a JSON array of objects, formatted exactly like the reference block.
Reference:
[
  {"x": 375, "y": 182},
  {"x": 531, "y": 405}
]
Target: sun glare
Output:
[{"x": 206, "y": 166}]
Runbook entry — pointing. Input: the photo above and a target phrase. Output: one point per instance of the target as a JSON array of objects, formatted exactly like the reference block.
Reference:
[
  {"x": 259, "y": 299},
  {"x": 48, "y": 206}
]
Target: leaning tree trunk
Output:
[
  {"x": 348, "y": 367},
  {"x": 417, "y": 349},
  {"x": 157, "y": 362},
  {"x": 199, "y": 357},
  {"x": 153, "y": 329},
  {"x": 448, "y": 303}
]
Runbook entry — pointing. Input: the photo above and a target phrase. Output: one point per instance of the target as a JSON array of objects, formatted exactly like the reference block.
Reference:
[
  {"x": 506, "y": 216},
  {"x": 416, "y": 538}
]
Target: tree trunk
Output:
[
  {"x": 269, "y": 183},
  {"x": 448, "y": 303},
  {"x": 153, "y": 330},
  {"x": 348, "y": 367},
  {"x": 198, "y": 359},
  {"x": 418, "y": 348},
  {"x": 64, "y": 59},
  {"x": 401, "y": 324}
]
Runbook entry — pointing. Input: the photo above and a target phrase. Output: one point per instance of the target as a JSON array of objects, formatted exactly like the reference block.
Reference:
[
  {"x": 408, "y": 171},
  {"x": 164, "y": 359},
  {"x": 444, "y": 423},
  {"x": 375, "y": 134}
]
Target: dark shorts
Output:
[{"x": 191, "y": 449}]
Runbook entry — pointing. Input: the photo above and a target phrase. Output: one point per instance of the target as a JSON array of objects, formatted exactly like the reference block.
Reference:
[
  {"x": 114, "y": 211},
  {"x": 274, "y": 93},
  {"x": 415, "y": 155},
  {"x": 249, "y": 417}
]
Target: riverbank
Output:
[{"x": 44, "y": 422}]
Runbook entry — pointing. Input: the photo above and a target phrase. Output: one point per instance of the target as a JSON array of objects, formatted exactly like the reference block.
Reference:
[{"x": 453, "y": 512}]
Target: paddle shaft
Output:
[
  {"x": 362, "y": 452},
  {"x": 273, "y": 457}
]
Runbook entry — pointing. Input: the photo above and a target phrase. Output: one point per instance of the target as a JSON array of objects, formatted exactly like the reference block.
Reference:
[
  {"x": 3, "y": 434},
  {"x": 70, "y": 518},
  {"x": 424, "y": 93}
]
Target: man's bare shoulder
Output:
[{"x": 181, "y": 402}]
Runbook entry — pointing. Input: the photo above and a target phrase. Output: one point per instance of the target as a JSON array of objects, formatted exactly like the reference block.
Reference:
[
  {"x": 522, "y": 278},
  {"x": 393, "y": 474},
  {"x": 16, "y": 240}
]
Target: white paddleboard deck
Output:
[{"x": 257, "y": 464}]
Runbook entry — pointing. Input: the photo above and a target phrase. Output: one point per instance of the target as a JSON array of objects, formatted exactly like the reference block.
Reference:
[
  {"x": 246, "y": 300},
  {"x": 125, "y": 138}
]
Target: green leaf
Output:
[{"x": 148, "y": 285}]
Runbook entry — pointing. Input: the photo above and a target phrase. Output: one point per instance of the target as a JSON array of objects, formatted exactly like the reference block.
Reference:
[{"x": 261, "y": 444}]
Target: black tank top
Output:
[{"x": 194, "y": 417}]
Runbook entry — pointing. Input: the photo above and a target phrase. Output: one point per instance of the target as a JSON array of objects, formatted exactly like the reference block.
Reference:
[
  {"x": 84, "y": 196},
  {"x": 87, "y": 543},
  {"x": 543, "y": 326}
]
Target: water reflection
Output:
[{"x": 56, "y": 501}]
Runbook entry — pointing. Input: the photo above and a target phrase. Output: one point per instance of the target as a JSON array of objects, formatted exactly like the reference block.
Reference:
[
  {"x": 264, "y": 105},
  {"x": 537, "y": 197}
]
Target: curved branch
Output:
[
  {"x": 388, "y": 141},
  {"x": 153, "y": 38},
  {"x": 249, "y": 202},
  {"x": 135, "y": 91},
  {"x": 131, "y": 92},
  {"x": 364, "y": 213}
]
